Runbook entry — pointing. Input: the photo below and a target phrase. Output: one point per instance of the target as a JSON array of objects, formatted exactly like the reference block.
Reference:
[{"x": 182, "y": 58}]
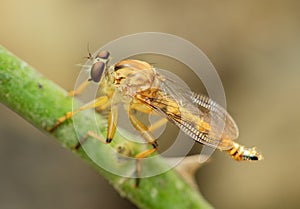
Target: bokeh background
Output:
[{"x": 255, "y": 47}]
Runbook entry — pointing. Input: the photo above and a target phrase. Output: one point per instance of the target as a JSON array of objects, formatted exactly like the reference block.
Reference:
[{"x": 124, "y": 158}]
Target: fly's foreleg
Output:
[
  {"x": 100, "y": 101},
  {"x": 80, "y": 88}
]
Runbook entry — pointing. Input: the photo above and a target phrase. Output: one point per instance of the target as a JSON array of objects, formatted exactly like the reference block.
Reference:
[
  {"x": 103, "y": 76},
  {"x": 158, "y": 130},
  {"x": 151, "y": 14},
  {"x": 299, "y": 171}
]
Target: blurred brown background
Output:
[{"x": 255, "y": 47}]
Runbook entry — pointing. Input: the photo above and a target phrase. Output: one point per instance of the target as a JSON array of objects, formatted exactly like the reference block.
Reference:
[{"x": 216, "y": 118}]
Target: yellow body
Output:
[
  {"x": 140, "y": 82},
  {"x": 142, "y": 88}
]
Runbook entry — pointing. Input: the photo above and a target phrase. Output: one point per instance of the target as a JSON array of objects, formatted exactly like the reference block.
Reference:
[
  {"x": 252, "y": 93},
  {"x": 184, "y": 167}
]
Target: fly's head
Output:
[{"x": 99, "y": 66}]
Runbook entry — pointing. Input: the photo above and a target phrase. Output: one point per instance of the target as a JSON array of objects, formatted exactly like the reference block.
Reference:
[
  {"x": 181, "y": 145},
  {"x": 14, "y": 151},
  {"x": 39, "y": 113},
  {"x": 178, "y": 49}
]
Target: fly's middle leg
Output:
[
  {"x": 112, "y": 123},
  {"x": 145, "y": 109},
  {"x": 111, "y": 129}
]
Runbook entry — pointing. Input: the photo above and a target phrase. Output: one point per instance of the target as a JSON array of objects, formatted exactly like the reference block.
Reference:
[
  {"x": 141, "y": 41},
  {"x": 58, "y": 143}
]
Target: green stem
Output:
[{"x": 40, "y": 102}]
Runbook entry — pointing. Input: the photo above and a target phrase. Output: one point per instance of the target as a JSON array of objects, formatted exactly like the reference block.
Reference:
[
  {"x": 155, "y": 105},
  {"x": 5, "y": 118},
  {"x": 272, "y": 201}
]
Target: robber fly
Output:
[{"x": 145, "y": 89}]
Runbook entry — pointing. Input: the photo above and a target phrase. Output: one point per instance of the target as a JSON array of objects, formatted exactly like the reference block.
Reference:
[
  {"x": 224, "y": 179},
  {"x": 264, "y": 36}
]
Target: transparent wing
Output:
[{"x": 195, "y": 114}]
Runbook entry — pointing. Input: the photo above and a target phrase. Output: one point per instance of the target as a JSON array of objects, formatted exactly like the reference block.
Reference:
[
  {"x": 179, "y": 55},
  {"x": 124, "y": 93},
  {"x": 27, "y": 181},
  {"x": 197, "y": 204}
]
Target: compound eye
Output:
[
  {"x": 103, "y": 55},
  {"x": 96, "y": 71}
]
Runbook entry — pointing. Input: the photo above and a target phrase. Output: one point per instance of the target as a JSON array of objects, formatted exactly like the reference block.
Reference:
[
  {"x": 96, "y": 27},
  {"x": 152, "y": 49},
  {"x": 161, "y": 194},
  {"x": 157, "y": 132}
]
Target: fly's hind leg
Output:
[{"x": 146, "y": 134}]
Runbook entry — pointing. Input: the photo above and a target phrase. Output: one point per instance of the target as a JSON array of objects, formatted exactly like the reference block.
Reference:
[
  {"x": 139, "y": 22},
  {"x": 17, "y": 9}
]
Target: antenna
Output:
[{"x": 90, "y": 57}]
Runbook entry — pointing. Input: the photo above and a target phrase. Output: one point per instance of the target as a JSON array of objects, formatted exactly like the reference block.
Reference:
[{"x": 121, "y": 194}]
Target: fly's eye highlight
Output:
[
  {"x": 103, "y": 55},
  {"x": 96, "y": 71}
]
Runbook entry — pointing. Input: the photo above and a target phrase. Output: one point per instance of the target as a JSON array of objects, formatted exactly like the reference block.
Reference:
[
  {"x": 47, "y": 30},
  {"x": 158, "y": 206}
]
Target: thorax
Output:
[{"x": 134, "y": 76}]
